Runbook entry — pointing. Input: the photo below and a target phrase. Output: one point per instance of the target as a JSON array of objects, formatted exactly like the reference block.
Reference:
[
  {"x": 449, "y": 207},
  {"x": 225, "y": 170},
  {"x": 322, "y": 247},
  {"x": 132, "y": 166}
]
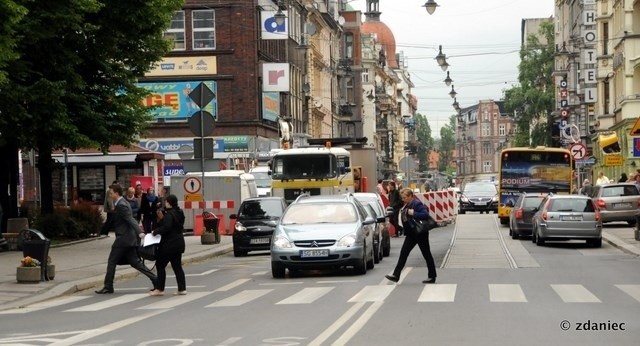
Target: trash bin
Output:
[
  {"x": 211, "y": 223},
  {"x": 35, "y": 245}
]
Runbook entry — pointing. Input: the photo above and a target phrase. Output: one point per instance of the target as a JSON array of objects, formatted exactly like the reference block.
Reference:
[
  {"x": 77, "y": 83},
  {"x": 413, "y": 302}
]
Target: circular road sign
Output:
[
  {"x": 192, "y": 185},
  {"x": 579, "y": 151}
]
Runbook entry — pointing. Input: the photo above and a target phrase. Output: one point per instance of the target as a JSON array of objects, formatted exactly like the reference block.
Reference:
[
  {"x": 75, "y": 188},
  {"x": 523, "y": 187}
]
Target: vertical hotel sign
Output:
[
  {"x": 589, "y": 52},
  {"x": 270, "y": 29},
  {"x": 275, "y": 77}
]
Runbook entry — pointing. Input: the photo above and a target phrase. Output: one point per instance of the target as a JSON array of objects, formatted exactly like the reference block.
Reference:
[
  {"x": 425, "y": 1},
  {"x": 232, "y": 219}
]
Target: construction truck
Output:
[{"x": 322, "y": 170}]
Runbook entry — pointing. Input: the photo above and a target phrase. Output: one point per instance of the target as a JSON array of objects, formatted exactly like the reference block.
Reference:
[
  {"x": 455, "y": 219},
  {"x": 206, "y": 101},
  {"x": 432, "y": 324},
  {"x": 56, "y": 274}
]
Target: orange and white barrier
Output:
[
  {"x": 442, "y": 205},
  {"x": 222, "y": 210},
  {"x": 207, "y": 205}
]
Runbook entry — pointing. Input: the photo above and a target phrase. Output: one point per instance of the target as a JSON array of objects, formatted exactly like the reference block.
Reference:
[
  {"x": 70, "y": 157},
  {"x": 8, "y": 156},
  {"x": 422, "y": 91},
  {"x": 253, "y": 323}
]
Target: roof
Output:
[
  {"x": 384, "y": 36},
  {"x": 312, "y": 151}
]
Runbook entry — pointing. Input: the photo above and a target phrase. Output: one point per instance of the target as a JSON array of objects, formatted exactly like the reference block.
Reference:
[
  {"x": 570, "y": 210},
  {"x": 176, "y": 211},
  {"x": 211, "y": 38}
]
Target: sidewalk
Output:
[{"x": 81, "y": 265}]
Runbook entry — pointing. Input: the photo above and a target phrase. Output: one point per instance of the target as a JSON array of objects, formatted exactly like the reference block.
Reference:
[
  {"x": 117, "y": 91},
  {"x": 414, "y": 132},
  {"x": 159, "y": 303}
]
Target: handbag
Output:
[
  {"x": 424, "y": 226},
  {"x": 148, "y": 249}
]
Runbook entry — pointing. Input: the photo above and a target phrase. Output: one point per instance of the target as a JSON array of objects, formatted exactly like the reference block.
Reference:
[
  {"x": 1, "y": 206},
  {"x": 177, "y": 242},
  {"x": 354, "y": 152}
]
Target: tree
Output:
[
  {"x": 532, "y": 101},
  {"x": 447, "y": 144},
  {"x": 74, "y": 85},
  {"x": 10, "y": 14},
  {"x": 424, "y": 139}
]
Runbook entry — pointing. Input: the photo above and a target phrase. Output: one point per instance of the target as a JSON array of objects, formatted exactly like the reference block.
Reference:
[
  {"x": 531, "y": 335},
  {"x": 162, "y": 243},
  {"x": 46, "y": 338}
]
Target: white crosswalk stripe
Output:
[
  {"x": 45, "y": 305},
  {"x": 173, "y": 302},
  {"x": 438, "y": 293},
  {"x": 575, "y": 294},
  {"x": 506, "y": 294},
  {"x": 240, "y": 298},
  {"x": 372, "y": 293},
  {"x": 306, "y": 296},
  {"x": 127, "y": 298},
  {"x": 632, "y": 290}
]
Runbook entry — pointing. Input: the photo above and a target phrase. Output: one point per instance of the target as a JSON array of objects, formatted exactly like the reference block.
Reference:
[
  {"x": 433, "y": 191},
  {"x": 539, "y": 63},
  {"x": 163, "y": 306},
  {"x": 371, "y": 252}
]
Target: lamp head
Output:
[{"x": 430, "y": 6}]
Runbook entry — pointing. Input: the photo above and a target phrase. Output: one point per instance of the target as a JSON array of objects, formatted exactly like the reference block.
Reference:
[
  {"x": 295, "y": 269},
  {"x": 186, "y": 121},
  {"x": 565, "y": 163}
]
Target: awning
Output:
[{"x": 102, "y": 159}]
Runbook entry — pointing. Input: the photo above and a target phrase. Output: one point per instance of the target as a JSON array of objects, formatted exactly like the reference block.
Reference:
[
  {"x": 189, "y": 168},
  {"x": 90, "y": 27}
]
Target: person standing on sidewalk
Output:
[
  {"x": 413, "y": 209},
  {"x": 108, "y": 208},
  {"x": 395, "y": 202},
  {"x": 148, "y": 209},
  {"x": 171, "y": 225},
  {"x": 124, "y": 247}
]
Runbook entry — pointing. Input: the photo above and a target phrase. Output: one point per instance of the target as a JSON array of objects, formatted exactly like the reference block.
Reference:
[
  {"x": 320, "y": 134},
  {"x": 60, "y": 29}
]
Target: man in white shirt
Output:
[{"x": 602, "y": 179}]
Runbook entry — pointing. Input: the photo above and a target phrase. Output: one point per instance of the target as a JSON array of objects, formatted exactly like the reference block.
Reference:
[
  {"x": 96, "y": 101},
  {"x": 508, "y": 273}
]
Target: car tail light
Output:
[
  {"x": 544, "y": 215},
  {"x": 601, "y": 204},
  {"x": 519, "y": 214}
]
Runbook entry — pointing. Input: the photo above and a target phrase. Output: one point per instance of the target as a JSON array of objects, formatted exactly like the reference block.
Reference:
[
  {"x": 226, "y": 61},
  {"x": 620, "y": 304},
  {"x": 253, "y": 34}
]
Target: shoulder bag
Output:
[
  {"x": 148, "y": 249},
  {"x": 424, "y": 226}
]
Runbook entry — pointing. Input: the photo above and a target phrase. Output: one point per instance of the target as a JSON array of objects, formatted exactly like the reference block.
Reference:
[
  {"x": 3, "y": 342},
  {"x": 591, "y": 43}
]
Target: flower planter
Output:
[
  {"x": 51, "y": 271},
  {"x": 28, "y": 274},
  {"x": 208, "y": 238}
]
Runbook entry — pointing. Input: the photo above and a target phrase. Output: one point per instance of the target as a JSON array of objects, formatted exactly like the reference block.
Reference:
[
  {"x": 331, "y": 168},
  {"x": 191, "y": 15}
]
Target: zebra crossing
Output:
[{"x": 232, "y": 295}]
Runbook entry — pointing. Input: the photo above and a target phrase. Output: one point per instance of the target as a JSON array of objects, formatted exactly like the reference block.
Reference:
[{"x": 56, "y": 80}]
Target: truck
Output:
[
  {"x": 221, "y": 193},
  {"x": 323, "y": 170}
]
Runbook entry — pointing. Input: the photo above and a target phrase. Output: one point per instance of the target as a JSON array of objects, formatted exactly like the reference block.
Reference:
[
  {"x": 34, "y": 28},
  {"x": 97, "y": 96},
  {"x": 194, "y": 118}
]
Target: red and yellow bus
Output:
[{"x": 540, "y": 169}]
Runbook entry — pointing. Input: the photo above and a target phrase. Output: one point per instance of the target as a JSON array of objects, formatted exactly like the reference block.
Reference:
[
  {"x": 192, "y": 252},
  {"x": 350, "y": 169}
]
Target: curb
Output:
[
  {"x": 620, "y": 244},
  {"x": 87, "y": 283}
]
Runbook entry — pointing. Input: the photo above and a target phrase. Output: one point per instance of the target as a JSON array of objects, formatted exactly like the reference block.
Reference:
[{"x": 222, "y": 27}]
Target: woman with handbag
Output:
[
  {"x": 411, "y": 211},
  {"x": 171, "y": 246}
]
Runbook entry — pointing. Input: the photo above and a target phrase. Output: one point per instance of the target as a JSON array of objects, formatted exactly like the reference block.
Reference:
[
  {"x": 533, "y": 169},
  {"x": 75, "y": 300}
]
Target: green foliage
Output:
[
  {"x": 447, "y": 144},
  {"x": 532, "y": 101},
  {"x": 10, "y": 14},
  {"x": 76, "y": 222},
  {"x": 424, "y": 139}
]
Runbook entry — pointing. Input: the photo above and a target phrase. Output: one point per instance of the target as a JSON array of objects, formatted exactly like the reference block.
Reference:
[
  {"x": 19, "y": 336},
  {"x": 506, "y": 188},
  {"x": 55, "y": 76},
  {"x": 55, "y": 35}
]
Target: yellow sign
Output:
[
  {"x": 193, "y": 197},
  {"x": 613, "y": 160},
  {"x": 635, "y": 131},
  {"x": 184, "y": 66}
]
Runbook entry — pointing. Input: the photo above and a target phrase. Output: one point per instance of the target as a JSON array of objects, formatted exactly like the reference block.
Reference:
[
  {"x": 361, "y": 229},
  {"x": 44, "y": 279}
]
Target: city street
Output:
[{"x": 490, "y": 290}]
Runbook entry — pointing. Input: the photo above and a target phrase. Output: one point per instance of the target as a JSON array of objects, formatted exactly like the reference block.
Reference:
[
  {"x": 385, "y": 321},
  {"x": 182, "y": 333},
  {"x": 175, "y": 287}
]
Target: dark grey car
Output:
[
  {"x": 479, "y": 196},
  {"x": 617, "y": 202},
  {"x": 520, "y": 223},
  {"x": 255, "y": 222}
]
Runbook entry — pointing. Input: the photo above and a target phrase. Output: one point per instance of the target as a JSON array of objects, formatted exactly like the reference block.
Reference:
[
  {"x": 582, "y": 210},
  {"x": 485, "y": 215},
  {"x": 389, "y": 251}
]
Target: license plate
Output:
[
  {"x": 571, "y": 218},
  {"x": 314, "y": 253},
  {"x": 481, "y": 203},
  {"x": 623, "y": 205},
  {"x": 259, "y": 241}
]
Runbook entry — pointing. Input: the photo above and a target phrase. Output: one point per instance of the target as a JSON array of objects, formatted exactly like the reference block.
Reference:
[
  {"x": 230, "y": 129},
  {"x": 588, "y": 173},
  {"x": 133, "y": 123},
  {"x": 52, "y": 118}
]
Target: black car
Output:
[
  {"x": 520, "y": 223},
  {"x": 255, "y": 222},
  {"x": 479, "y": 196}
]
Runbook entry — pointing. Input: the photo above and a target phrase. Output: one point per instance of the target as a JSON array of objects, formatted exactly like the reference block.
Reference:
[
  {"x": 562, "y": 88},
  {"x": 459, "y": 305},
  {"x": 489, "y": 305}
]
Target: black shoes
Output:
[
  {"x": 105, "y": 291},
  {"x": 392, "y": 278},
  {"x": 429, "y": 281}
]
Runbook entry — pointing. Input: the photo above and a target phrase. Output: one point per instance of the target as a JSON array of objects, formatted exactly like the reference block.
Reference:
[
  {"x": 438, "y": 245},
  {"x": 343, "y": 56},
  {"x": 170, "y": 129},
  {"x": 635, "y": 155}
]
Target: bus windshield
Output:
[{"x": 309, "y": 166}]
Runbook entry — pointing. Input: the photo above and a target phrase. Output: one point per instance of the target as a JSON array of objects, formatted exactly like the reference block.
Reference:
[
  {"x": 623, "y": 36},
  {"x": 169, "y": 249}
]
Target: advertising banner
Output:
[
  {"x": 184, "y": 66},
  {"x": 171, "y": 101},
  {"x": 270, "y": 29},
  {"x": 275, "y": 77},
  {"x": 271, "y": 106}
]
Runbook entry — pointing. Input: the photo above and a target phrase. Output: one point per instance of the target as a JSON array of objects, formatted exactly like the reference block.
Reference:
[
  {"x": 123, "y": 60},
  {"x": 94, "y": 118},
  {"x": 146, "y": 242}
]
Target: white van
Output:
[{"x": 263, "y": 180}]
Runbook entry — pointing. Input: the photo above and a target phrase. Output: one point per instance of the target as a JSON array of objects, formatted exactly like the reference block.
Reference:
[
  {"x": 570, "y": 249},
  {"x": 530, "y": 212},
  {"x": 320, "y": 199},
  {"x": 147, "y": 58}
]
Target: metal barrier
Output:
[{"x": 35, "y": 245}]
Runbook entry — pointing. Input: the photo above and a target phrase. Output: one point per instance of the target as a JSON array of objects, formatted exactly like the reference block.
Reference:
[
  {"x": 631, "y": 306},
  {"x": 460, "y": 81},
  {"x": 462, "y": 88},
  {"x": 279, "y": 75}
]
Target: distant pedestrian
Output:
[
  {"x": 637, "y": 182},
  {"x": 411, "y": 210},
  {"x": 623, "y": 178},
  {"x": 133, "y": 201},
  {"x": 602, "y": 179},
  {"x": 395, "y": 202},
  {"x": 148, "y": 208},
  {"x": 170, "y": 227},
  {"x": 586, "y": 188},
  {"x": 124, "y": 248},
  {"x": 380, "y": 187}
]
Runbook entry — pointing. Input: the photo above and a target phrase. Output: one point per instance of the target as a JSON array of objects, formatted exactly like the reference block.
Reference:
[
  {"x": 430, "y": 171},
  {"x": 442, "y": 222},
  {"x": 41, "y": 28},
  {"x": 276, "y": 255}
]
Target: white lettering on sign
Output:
[{"x": 516, "y": 181}]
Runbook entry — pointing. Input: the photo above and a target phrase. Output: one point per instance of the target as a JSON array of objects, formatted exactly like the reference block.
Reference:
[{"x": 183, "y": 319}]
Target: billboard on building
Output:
[
  {"x": 270, "y": 29},
  {"x": 184, "y": 66},
  {"x": 172, "y": 102},
  {"x": 275, "y": 77},
  {"x": 271, "y": 106}
]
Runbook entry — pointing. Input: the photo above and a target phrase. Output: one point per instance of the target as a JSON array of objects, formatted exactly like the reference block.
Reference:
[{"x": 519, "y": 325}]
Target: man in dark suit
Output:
[{"x": 124, "y": 247}]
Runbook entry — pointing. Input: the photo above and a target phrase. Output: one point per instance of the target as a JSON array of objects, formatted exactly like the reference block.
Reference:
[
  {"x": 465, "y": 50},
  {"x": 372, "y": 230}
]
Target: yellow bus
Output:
[{"x": 540, "y": 169}]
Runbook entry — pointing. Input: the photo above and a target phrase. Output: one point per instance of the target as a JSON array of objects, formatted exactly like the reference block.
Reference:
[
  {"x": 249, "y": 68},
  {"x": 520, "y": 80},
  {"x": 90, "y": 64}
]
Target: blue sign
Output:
[
  {"x": 173, "y": 170},
  {"x": 173, "y": 145},
  {"x": 170, "y": 100},
  {"x": 636, "y": 147}
]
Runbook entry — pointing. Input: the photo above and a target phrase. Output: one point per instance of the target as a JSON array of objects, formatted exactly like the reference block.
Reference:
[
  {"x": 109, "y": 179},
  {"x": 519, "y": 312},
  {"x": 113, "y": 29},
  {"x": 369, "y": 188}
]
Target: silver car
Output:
[
  {"x": 323, "y": 232},
  {"x": 564, "y": 217},
  {"x": 382, "y": 218},
  {"x": 617, "y": 202}
]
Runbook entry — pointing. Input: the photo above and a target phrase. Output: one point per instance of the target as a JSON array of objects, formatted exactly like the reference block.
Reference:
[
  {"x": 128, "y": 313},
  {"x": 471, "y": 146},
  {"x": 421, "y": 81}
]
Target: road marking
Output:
[
  {"x": 376, "y": 293},
  {"x": 127, "y": 298},
  {"x": 169, "y": 303},
  {"x": 231, "y": 285},
  {"x": 261, "y": 273},
  {"x": 339, "y": 323},
  {"x": 632, "y": 290},
  {"x": 358, "y": 324},
  {"x": 199, "y": 274},
  {"x": 506, "y": 294},
  {"x": 438, "y": 293},
  {"x": 335, "y": 281},
  {"x": 575, "y": 294},
  {"x": 240, "y": 298},
  {"x": 230, "y": 341},
  {"x": 306, "y": 295},
  {"x": 283, "y": 283},
  {"x": 44, "y": 305}
]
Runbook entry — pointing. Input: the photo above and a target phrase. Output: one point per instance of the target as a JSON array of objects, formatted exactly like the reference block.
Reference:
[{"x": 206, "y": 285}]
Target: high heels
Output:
[
  {"x": 392, "y": 278},
  {"x": 429, "y": 281}
]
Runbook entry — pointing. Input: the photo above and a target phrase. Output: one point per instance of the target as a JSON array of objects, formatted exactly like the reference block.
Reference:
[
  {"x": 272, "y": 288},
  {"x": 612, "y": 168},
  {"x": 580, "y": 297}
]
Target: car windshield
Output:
[
  {"x": 306, "y": 213},
  {"x": 532, "y": 201},
  {"x": 620, "y": 190},
  {"x": 260, "y": 209},
  {"x": 263, "y": 179},
  {"x": 571, "y": 205},
  {"x": 489, "y": 188}
]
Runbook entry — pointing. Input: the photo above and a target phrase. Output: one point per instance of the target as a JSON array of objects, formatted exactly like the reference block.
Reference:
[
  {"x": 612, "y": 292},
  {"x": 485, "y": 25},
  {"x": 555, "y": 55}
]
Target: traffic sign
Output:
[
  {"x": 579, "y": 151},
  {"x": 193, "y": 197},
  {"x": 613, "y": 160},
  {"x": 192, "y": 185}
]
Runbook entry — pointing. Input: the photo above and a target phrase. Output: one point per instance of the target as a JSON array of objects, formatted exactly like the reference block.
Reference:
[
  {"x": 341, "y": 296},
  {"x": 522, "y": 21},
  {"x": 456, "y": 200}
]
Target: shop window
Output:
[{"x": 91, "y": 185}]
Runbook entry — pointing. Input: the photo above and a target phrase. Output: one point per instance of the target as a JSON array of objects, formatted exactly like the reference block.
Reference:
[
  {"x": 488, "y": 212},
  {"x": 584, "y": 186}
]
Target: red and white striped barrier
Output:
[
  {"x": 442, "y": 205},
  {"x": 207, "y": 205}
]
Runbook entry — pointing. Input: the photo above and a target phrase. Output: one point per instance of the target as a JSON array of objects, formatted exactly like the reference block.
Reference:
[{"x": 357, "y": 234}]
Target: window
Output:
[
  {"x": 175, "y": 32},
  {"x": 486, "y": 148},
  {"x": 486, "y": 166},
  {"x": 486, "y": 129},
  {"x": 365, "y": 75},
  {"x": 348, "y": 45},
  {"x": 204, "y": 33},
  {"x": 485, "y": 116},
  {"x": 502, "y": 130}
]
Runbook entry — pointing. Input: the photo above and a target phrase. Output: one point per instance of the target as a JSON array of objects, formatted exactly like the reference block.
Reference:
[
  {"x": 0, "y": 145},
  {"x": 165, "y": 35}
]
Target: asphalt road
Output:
[{"x": 536, "y": 295}]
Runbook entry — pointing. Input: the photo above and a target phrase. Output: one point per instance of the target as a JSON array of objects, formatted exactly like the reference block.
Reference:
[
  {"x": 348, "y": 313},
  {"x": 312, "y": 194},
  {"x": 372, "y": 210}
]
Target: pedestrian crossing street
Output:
[{"x": 234, "y": 295}]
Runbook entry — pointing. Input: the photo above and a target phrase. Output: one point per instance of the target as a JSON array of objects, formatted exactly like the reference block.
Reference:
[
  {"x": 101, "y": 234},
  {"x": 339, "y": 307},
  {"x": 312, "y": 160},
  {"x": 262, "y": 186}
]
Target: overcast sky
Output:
[{"x": 481, "y": 39}]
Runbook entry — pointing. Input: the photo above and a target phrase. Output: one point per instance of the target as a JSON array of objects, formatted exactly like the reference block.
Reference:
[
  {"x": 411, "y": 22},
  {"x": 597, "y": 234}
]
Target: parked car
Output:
[
  {"x": 479, "y": 196},
  {"x": 617, "y": 202},
  {"x": 255, "y": 222},
  {"x": 564, "y": 217},
  {"x": 263, "y": 180},
  {"x": 521, "y": 214},
  {"x": 382, "y": 218},
  {"x": 377, "y": 249},
  {"x": 323, "y": 232}
]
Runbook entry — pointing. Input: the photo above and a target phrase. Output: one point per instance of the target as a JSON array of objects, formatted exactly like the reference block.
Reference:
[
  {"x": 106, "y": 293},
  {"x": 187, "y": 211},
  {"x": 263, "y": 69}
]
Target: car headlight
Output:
[
  {"x": 347, "y": 241},
  {"x": 239, "y": 227},
  {"x": 494, "y": 199},
  {"x": 281, "y": 242},
  {"x": 464, "y": 198}
]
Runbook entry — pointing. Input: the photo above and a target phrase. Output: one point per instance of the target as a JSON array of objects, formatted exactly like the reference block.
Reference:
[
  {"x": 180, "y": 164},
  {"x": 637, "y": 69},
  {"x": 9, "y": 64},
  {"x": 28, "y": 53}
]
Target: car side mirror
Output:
[
  {"x": 381, "y": 219},
  {"x": 389, "y": 211},
  {"x": 369, "y": 220}
]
